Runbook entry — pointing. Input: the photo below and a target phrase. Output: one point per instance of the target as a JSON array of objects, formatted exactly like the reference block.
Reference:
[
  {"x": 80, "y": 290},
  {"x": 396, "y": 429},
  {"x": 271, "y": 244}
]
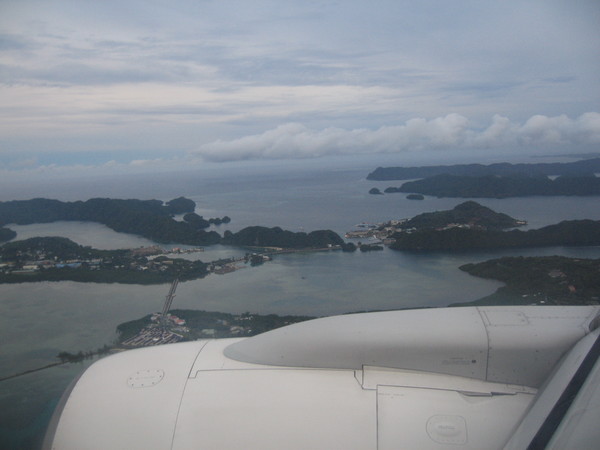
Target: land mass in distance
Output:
[
  {"x": 500, "y": 180},
  {"x": 545, "y": 280},
  {"x": 496, "y": 186},
  {"x": 576, "y": 168},
  {"x": 566, "y": 233}
]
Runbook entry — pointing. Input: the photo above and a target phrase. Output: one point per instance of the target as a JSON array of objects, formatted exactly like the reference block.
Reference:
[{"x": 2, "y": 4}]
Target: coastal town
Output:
[
  {"x": 30, "y": 260},
  {"x": 54, "y": 259},
  {"x": 166, "y": 327},
  {"x": 381, "y": 232}
]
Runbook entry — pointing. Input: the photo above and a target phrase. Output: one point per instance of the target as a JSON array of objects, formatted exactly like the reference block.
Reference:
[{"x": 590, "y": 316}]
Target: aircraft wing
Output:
[{"x": 468, "y": 378}]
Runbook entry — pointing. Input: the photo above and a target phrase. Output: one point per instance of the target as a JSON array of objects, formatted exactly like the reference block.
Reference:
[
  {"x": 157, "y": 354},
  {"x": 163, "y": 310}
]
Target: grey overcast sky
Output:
[{"x": 130, "y": 83}]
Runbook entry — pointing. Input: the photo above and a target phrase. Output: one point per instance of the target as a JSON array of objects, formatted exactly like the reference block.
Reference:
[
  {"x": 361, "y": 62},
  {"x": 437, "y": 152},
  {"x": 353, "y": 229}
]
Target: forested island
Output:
[
  {"x": 152, "y": 219},
  {"x": 467, "y": 215},
  {"x": 258, "y": 236},
  {"x": 550, "y": 280},
  {"x": 470, "y": 214},
  {"x": 499, "y": 180},
  {"x": 496, "y": 186},
  {"x": 577, "y": 168},
  {"x": 566, "y": 233}
]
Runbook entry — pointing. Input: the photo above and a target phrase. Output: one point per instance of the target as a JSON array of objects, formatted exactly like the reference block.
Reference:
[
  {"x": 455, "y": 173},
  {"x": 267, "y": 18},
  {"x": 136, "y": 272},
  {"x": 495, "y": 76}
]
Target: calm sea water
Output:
[{"x": 38, "y": 320}]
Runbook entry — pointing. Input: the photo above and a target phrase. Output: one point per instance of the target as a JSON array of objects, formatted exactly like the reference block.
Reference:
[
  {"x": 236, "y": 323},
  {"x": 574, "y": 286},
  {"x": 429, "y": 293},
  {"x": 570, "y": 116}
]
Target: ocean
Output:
[{"x": 38, "y": 320}]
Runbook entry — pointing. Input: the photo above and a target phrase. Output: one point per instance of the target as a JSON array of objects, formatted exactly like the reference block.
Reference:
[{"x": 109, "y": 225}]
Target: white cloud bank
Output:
[{"x": 453, "y": 131}]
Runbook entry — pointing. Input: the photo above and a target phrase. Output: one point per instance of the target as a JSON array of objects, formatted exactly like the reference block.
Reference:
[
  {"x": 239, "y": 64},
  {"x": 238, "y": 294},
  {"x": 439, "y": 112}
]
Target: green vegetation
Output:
[
  {"x": 129, "y": 329},
  {"x": 494, "y": 186},
  {"x": 50, "y": 248},
  {"x": 67, "y": 357},
  {"x": 578, "y": 168},
  {"x": 467, "y": 213},
  {"x": 57, "y": 259},
  {"x": 568, "y": 233},
  {"x": 196, "y": 221},
  {"x": 152, "y": 220},
  {"x": 207, "y": 324},
  {"x": 180, "y": 205},
  {"x": 552, "y": 280},
  {"x": 6, "y": 234},
  {"x": 276, "y": 237},
  {"x": 217, "y": 221},
  {"x": 148, "y": 218},
  {"x": 200, "y": 222}
]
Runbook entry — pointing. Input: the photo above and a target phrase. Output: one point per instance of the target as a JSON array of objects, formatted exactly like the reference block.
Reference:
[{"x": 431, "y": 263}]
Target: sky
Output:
[{"x": 129, "y": 84}]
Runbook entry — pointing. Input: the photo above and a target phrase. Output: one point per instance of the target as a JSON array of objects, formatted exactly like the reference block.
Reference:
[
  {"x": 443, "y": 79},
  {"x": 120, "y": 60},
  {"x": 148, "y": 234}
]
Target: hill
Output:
[
  {"x": 276, "y": 237},
  {"x": 468, "y": 213}
]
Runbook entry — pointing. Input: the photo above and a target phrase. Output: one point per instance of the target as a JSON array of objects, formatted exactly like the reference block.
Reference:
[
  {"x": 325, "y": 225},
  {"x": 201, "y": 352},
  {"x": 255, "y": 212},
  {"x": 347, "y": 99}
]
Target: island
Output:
[
  {"x": 394, "y": 190},
  {"x": 566, "y": 233},
  {"x": 467, "y": 215},
  {"x": 59, "y": 259},
  {"x": 152, "y": 219},
  {"x": 258, "y": 236},
  {"x": 577, "y": 168},
  {"x": 547, "y": 280},
  {"x": 496, "y": 186},
  {"x": 471, "y": 226},
  {"x": 189, "y": 325},
  {"x": 178, "y": 325},
  {"x": 155, "y": 220}
]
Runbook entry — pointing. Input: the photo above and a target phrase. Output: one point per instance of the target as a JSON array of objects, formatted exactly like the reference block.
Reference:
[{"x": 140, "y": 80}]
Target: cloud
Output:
[
  {"x": 24, "y": 163},
  {"x": 453, "y": 131},
  {"x": 20, "y": 171},
  {"x": 297, "y": 79}
]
